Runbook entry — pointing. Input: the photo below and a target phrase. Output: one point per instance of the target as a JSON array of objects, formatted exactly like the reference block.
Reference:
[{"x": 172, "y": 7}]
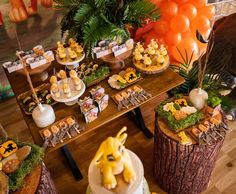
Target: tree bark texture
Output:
[{"x": 180, "y": 169}]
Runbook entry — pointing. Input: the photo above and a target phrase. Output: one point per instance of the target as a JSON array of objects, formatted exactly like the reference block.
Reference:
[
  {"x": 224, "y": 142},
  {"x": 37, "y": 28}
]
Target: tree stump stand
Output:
[
  {"x": 182, "y": 169},
  {"x": 38, "y": 182}
]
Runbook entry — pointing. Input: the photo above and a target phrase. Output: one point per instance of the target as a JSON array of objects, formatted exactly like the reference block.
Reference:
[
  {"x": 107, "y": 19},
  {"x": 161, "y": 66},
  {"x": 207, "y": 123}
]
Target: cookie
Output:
[{"x": 11, "y": 166}]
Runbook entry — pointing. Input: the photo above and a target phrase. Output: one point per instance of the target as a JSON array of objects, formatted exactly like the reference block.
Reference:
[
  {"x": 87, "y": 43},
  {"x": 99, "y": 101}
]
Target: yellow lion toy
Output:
[{"x": 112, "y": 159}]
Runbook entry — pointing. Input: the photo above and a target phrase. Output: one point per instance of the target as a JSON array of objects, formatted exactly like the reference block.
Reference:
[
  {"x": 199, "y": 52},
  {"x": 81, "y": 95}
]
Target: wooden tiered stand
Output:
[{"x": 182, "y": 169}]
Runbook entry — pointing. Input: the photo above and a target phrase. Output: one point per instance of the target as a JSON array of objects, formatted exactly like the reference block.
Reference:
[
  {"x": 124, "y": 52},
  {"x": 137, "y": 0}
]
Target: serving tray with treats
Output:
[
  {"x": 73, "y": 94},
  {"x": 124, "y": 79},
  {"x": 131, "y": 96},
  {"x": 154, "y": 59},
  {"x": 211, "y": 129},
  {"x": 60, "y": 131},
  {"x": 28, "y": 102},
  {"x": 71, "y": 55},
  {"x": 92, "y": 73},
  {"x": 179, "y": 113}
]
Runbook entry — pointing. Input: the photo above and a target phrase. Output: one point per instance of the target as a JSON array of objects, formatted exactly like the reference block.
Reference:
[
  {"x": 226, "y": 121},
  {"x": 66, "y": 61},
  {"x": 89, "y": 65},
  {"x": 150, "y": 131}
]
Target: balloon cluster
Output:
[{"x": 177, "y": 27}]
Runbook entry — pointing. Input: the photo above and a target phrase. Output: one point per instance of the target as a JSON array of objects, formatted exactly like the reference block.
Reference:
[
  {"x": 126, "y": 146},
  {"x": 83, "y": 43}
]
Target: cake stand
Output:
[
  {"x": 71, "y": 64},
  {"x": 116, "y": 62},
  {"x": 75, "y": 94},
  {"x": 148, "y": 70},
  {"x": 139, "y": 186},
  {"x": 38, "y": 72}
]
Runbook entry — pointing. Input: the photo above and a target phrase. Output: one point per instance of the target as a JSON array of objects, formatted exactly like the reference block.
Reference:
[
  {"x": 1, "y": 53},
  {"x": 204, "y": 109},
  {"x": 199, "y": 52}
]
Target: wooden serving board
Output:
[
  {"x": 96, "y": 81},
  {"x": 57, "y": 124},
  {"x": 130, "y": 104},
  {"x": 44, "y": 86},
  {"x": 128, "y": 84},
  {"x": 151, "y": 71}
]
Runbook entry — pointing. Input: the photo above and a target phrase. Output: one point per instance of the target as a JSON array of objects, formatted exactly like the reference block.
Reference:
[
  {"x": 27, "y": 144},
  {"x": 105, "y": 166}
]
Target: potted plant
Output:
[{"x": 91, "y": 21}]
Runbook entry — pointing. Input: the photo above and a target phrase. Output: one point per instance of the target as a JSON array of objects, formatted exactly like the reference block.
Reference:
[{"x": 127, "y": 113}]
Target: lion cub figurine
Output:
[{"x": 112, "y": 159}]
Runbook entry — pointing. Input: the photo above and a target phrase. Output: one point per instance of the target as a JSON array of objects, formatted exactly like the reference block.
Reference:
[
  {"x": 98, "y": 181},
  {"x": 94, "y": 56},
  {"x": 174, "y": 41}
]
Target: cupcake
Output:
[
  {"x": 66, "y": 90},
  {"x": 73, "y": 73},
  {"x": 160, "y": 59},
  {"x": 62, "y": 74},
  {"x": 163, "y": 50},
  {"x": 147, "y": 61},
  {"x": 79, "y": 49},
  {"x": 138, "y": 56},
  {"x": 77, "y": 83},
  {"x": 72, "y": 54},
  {"x": 55, "y": 90},
  {"x": 151, "y": 50},
  {"x": 53, "y": 79}
]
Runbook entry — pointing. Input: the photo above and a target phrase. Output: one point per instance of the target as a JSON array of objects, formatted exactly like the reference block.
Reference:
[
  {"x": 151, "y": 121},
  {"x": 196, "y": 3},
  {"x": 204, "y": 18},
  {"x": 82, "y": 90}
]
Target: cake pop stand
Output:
[
  {"x": 38, "y": 72},
  {"x": 75, "y": 94},
  {"x": 71, "y": 64},
  {"x": 116, "y": 62}
]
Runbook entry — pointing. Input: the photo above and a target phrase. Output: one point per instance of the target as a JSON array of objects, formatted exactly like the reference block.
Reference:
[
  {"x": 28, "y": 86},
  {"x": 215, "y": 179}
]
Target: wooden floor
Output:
[{"x": 223, "y": 179}]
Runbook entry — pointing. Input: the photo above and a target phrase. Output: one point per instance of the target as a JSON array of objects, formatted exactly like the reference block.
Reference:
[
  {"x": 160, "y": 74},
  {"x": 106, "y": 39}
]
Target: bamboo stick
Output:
[{"x": 26, "y": 71}]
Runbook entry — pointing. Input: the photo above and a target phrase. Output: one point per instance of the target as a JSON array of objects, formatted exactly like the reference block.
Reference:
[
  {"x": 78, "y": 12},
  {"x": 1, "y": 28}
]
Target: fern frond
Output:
[
  {"x": 136, "y": 11},
  {"x": 83, "y": 13}
]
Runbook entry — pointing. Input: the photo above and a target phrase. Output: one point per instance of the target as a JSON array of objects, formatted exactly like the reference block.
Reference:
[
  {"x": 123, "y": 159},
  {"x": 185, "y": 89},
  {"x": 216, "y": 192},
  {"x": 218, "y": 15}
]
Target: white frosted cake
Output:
[{"x": 136, "y": 187}]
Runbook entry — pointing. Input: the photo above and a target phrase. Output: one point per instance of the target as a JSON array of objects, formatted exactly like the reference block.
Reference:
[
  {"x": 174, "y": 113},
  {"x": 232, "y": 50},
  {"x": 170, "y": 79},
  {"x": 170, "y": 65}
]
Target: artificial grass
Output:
[
  {"x": 16, "y": 179},
  {"x": 174, "y": 124}
]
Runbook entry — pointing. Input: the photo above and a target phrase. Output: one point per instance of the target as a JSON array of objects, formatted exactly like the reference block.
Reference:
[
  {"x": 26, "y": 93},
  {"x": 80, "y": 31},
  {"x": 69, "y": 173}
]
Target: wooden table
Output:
[{"x": 157, "y": 85}]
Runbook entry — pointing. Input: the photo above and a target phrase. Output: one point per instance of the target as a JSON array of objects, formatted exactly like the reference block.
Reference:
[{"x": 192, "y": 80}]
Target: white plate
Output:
[{"x": 75, "y": 94}]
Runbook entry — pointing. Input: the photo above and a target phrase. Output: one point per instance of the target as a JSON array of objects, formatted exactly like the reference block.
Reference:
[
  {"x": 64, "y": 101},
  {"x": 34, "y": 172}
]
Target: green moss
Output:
[
  {"x": 181, "y": 124},
  {"x": 16, "y": 179},
  {"x": 101, "y": 72}
]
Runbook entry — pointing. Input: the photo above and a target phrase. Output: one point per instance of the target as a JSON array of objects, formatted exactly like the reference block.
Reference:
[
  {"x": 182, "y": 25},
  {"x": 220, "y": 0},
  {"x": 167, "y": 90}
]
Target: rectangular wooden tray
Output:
[
  {"x": 81, "y": 128},
  {"x": 130, "y": 105},
  {"x": 29, "y": 93},
  {"x": 96, "y": 81}
]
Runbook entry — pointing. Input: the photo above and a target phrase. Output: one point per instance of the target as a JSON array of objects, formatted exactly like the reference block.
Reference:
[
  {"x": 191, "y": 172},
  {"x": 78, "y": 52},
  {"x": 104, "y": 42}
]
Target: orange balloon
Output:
[
  {"x": 172, "y": 38},
  {"x": 200, "y": 23},
  {"x": 161, "y": 41},
  {"x": 180, "y": 23},
  {"x": 151, "y": 35},
  {"x": 188, "y": 10},
  {"x": 168, "y": 9},
  {"x": 198, "y": 3},
  {"x": 161, "y": 27},
  {"x": 157, "y": 2},
  {"x": 187, "y": 45},
  {"x": 181, "y": 1},
  {"x": 188, "y": 33},
  {"x": 208, "y": 11}
]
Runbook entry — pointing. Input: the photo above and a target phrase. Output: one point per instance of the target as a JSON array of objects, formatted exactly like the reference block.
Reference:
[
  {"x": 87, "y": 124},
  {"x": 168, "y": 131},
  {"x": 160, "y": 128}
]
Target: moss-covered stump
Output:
[{"x": 180, "y": 169}]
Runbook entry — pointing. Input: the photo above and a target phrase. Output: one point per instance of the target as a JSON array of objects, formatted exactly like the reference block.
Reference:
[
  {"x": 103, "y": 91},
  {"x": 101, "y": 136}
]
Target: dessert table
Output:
[{"x": 157, "y": 85}]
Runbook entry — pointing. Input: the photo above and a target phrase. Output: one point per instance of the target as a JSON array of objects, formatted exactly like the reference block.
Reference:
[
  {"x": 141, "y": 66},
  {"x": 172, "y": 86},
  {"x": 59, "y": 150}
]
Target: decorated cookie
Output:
[
  {"x": 8, "y": 148},
  {"x": 11, "y": 166}
]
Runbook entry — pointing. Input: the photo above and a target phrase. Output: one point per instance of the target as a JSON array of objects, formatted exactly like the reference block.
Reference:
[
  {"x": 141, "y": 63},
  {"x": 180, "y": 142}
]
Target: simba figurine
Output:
[{"x": 112, "y": 158}]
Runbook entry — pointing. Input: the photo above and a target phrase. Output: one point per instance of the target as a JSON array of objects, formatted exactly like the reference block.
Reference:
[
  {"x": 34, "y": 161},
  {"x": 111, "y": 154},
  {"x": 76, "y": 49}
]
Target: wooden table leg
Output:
[
  {"x": 72, "y": 164},
  {"x": 138, "y": 118}
]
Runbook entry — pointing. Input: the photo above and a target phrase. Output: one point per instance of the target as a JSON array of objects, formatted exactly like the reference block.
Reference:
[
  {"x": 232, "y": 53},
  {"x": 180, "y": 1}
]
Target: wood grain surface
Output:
[
  {"x": 182, "y": 169},
  {"x": 156, "y": 85},
  {"x": 223, "y": 179}
]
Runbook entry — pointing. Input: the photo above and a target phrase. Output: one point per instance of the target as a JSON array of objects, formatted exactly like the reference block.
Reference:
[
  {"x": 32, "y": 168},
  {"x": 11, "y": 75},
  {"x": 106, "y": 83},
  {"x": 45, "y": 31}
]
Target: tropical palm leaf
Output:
[
  {"x": 83, "y": 13},
  {"x": 91, "y": 21}
]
